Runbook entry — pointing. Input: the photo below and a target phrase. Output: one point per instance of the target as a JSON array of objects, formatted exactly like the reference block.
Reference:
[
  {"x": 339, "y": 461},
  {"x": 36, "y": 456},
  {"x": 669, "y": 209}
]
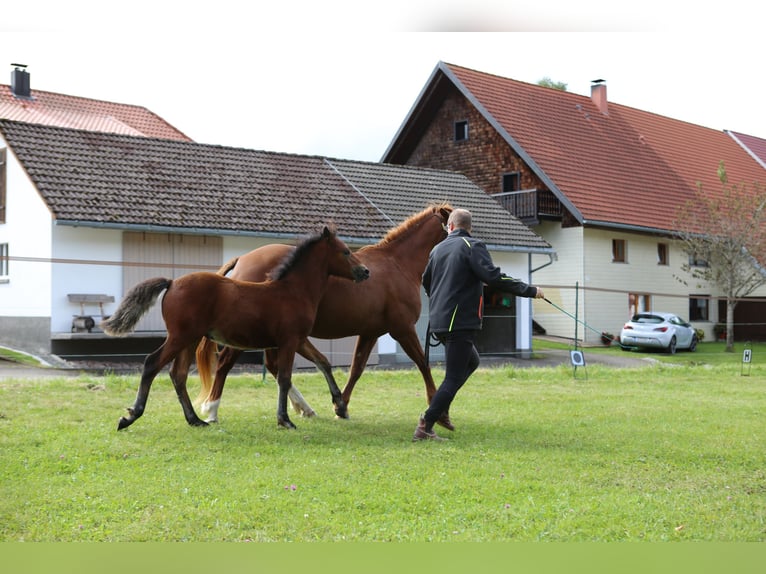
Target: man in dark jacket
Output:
[{"x": 454, "y": 279}]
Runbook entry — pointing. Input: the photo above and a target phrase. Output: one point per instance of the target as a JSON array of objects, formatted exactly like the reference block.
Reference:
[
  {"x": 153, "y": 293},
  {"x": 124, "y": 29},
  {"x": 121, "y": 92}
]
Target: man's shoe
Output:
[
  {"x": 422, "y": 434},
  {"x": 445, "y": 421}
]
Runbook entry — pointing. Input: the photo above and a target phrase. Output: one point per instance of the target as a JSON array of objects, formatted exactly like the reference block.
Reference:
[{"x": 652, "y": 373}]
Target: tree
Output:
[
  {"x": 727, "y": 233},
  {"x": 546, "y": 82}
]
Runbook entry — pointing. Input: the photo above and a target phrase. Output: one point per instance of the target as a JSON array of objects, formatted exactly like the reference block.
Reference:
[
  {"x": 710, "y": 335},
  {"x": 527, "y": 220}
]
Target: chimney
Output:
[
  {"x": 20, "y": 82},
  {"x": 598, "y": 95}
]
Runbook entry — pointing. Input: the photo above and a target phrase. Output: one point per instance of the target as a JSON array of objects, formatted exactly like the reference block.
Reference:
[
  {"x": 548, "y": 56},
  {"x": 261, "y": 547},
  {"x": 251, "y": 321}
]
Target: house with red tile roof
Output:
[
  {"x": 97, "y": 197},
  {"x": 601, "y": 182},
  {"x": 20, "y": 103}
]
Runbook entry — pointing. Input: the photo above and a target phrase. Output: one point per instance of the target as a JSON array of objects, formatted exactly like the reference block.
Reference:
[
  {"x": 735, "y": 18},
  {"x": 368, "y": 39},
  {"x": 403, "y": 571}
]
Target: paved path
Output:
[{"x": 546, "y": 358}]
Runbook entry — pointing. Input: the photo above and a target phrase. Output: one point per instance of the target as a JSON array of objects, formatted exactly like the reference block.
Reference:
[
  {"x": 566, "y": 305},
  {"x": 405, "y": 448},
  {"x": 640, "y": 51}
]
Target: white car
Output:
[{"x": 653, "y": 329}]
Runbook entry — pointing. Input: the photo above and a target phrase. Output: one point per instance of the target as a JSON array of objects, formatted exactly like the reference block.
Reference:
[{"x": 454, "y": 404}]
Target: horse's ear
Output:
[
  {"x": 445, "y": 211},
  {"x": 326, "y": 232}
]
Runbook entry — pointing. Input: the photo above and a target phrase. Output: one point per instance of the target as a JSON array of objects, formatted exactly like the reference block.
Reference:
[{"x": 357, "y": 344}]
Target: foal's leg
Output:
[
  {"x": 310, "y": 352},
  {"x": 152, "y": 365},
  {"x": 300, "y": 405},
  {"x": 284, "y": 378},
  {"x": 411, "y": 345},
  {"x": 179, "y": 373}
]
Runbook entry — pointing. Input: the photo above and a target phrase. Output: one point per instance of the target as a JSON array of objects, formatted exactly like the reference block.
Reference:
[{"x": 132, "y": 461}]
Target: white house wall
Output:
[
  {"x": 87, "y": 260},
  {"x": 27, "y": 232},
  {"x": 584, "y": 258},
  {"x": 559, "y": 280},
  {"x": 641, "y": 273}
]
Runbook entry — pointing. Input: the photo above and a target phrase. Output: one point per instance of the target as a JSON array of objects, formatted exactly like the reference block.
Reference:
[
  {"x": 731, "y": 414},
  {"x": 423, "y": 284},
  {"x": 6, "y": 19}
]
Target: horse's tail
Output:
[
  {"x": 206, "y": 351},
  {"x": 134, "y": 306},
  {"x": 228, "y": 266}
]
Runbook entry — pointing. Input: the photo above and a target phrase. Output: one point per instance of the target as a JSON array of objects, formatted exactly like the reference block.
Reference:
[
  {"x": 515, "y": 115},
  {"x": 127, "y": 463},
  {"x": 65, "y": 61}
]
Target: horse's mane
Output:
[
  {"x": 289, "y": 261},
  {"x": 411, "y": 222}
]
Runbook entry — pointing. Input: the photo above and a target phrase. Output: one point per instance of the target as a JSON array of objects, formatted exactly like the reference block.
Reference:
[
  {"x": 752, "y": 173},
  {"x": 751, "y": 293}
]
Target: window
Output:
[
  {"x": 697, "y": 261},
  {"x": 699, "y": 308},
  {"x": 2, "y": 186},
  {"x": 461, "y": 131},
  {"x": 639, "y": 303},
  {"x": 662, "y": 254},
  {"x": 3, "y": 260},
  {"x": 619, "y": 251},
  {"x": 511, "y": 182}
]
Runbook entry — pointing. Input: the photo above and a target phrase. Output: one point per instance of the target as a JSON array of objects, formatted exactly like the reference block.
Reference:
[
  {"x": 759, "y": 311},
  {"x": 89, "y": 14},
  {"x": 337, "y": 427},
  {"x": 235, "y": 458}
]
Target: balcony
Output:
[{"x": 530, "y": 205}]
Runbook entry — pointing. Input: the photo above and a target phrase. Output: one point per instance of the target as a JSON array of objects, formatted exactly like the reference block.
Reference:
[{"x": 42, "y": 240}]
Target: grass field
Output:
[{"x": 667, "y": 452}]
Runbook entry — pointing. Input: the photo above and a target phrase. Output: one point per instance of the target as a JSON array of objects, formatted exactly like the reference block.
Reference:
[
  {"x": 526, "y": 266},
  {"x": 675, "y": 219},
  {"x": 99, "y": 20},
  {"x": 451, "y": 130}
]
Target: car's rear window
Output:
[{"x": 647, "y": 319}]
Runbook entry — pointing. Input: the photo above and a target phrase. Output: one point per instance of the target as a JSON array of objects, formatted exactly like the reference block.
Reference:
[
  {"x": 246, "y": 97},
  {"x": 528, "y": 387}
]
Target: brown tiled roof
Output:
[
  {"x": 399, "y": 191},
  {"x": 102, "y": 179},
  {"x": 753, "y": 145},
  {"x": 627, "y": 167},
  {"x": 49, "y": 108}
]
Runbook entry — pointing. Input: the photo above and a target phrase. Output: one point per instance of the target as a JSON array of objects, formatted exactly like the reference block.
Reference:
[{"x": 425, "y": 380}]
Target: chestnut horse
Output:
[
  {"x": 277, "y": 313},
  {"x": 389, "y": 304}
]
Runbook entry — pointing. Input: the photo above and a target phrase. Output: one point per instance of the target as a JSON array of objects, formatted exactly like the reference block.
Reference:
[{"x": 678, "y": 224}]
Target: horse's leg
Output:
[
  {"x": 179, "y": 373},
  {"x": 362, "y": 352},
  {"x": 411, "y": 345},
  {"x": 286, "y": 355},
  {"x": 310, "y": 352},
  {"x": 300, "y": 405},
  {"x": 152, "y": 365},
  {"x": 227, "y": 358}
]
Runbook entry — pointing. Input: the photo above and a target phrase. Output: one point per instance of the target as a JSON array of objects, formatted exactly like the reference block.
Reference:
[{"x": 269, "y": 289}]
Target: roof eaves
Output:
[
  {"x": 199, "y": 230},
  {"x": 520, "y": 249},
  {"x": 628, "y": 227}
]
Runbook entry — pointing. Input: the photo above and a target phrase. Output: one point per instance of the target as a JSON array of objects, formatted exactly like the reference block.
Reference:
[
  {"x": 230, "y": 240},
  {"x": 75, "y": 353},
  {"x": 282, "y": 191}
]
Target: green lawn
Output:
[{"x": 668, "y": 452}]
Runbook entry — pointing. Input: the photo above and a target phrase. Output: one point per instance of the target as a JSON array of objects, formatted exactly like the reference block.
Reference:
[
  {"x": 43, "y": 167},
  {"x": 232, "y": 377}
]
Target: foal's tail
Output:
[
  {"x": 207, "y": 349},
  {"x": 206, "y": 354},
  {"x": 134, "y": 306}
]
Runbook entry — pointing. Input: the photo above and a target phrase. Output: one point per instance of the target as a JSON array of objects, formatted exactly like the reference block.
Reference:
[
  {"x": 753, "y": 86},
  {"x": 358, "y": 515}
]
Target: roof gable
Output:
[{"x": 113, "y": 180}]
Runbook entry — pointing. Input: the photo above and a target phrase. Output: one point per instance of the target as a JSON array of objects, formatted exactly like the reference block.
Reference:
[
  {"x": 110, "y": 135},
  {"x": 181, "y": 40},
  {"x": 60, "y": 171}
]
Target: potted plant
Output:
[{"x": 719, "y": 330}]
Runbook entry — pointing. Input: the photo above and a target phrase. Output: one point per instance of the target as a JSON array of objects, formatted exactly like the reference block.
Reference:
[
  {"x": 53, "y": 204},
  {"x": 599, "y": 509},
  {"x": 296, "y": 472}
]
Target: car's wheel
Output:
[
  {"x": 672, "y": 346},
  {"x": 693, "y": 346}
]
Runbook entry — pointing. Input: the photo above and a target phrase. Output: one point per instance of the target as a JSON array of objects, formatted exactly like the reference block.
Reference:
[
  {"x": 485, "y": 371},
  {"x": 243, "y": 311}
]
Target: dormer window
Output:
[{"x": 461, "y": 130}]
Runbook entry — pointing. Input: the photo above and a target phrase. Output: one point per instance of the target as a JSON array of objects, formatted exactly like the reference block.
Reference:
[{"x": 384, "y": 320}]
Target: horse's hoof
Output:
[
  {"x": 198, "y": 423},
  {"x": 211, "y": 420},
  {"x": 123, "y": 423},
  {"x": 286, "y": 425},
  {"x": 308, "y": 414},
  {"x": 341, "y": 415},
  {"x": 445, "y": 421}
]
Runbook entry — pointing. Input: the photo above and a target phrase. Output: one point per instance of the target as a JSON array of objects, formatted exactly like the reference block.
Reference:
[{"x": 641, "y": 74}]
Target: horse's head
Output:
[
  {"x": 343, "y": 263},
  {"x": 443, "y": 212}
]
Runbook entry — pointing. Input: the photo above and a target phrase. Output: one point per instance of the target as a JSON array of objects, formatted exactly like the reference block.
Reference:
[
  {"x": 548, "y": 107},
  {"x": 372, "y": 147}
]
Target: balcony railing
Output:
[{"x": 530, "y": 205}]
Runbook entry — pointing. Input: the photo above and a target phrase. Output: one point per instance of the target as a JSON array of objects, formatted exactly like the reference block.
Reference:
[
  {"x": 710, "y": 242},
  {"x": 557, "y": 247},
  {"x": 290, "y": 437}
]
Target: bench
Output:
[{"x": 83, "y": 322}]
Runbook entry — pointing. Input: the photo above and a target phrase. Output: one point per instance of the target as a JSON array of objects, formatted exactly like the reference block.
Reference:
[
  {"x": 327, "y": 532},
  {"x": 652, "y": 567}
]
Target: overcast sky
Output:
[{"x": 337, "y": 78}]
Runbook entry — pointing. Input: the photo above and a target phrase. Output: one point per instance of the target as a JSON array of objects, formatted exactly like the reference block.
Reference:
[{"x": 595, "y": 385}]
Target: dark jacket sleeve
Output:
[{"x": 489, "y": 273}]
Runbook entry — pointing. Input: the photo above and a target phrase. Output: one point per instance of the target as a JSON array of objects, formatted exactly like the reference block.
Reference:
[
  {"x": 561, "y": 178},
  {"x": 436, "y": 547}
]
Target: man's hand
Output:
[{"x": 539, "y": 294}]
